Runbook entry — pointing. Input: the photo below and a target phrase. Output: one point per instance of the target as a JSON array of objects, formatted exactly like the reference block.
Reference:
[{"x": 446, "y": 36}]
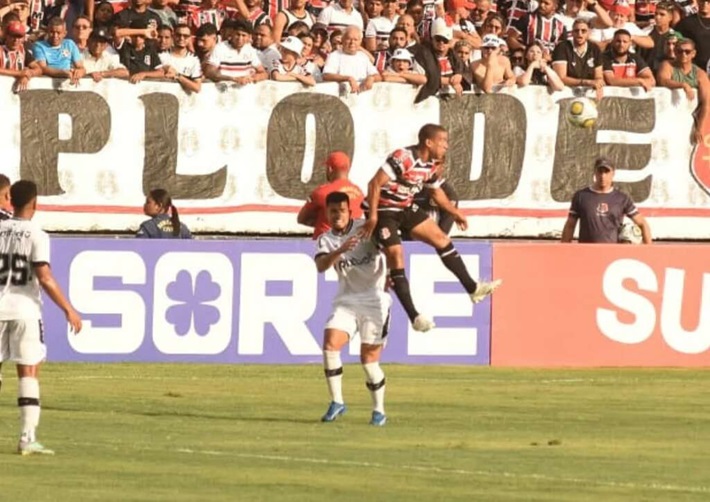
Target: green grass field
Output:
[{"x": 224, "y": 433}]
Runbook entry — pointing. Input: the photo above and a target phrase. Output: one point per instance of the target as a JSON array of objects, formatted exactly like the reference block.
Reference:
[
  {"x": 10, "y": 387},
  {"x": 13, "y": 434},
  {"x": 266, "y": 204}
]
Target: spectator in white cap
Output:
[
  {"x": 493, "y": 69},
  {"x": 449, "y": 64},
  {"x": 100, "y": 61},
  {"x": 403, "y": 69},
  {"x": 287, "y": 69},
  {"x": 350, "y": 65}
]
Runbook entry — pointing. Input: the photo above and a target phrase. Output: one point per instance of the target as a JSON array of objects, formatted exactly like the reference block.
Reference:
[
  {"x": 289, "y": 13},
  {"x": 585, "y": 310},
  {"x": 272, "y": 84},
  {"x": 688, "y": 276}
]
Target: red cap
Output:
[
  {"x": 338, "y": 161},
  {"x": 622, "y": 7},
  {"x": 16, "y": 28},
  {"x": 466, "y": 4}
]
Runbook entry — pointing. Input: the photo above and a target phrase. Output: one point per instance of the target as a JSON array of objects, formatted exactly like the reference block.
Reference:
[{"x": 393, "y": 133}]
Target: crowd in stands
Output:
[{"x": 445, "y": 47}]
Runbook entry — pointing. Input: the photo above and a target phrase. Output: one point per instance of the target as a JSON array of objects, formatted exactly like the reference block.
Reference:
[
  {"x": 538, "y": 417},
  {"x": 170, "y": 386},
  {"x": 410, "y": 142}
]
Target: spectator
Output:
[
  {"x": 370, "y": 9},
  {"x": 209, "y": 11},
  {"x": 697, "y": 28},
  {"x": 205, "y": 42},
  {"x": 311, "y": 61},
  {"x": 623, "y": 68},
  {"x": 167, "y": 15},
  {"x": 493, "y": 25},
  {"x": 264, "y": 44},
  {"x": 273, "y": 7},
  {"x": 601, "y": 208},
  {"x": 295, "y": 13},
  {"x": 538, "y": 72},
  {"x": 57, "y": 56},
  {"x": 165, "y": 38},
  {"x": 644, "y": 11},
  {"x": 379, "y": 28},
  {"x": 397, "y": 40},
  {"x": 181, "y": 65},
  {"x": 406, "y": 22},
  {"x": 141, "y": 59},
  {"x": 403, "y": 69},
  {"x": 514, "y": 10},
  {"x": 15, "y": 61},
  {"x": 517, "y": 59},
  {"x": 80, "y": 32},
  {"x": 320, "y": 41},
  {"x": 313, "y": 212},
  {"x": 350, "y": 65},
  {"x": 100, "y": 59},
  {"x": 335, "y": 40},
  {"x": 288, "y": 69},
  {"x": 250, "y": 10},
  {"x": 588, "y": 10},
  {"x": 235, "y": 60},
  {"x": 620, "y": 14},
  {"x": 463, "y": 51},
  {"x": 297, "y": 29},
  {"x": 480, "y": 14},
  {"x": 543, "y": 25},
  {"x": 339, "y": 15},
  {"x": 578, "y": 62},
  {"x": 161, "y": 225},
  {"x": 450, "y": 68},
  {"x": 136, "y": 15},
  {"x": 683, "y": 74},
  {"x": 15, "y": 10},
  {"x": 493, "y": 68},
  {"x": 457, "y": 16},
  {"x": 103, "y": 15},
  {"x": 662, "y": 27}
]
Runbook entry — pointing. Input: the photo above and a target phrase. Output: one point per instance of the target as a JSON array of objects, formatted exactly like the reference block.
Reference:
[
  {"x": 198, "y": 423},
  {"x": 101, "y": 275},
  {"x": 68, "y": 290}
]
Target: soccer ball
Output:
[
  {"x": 630, "y": 234},
  {"x": 582, "y": 112}
]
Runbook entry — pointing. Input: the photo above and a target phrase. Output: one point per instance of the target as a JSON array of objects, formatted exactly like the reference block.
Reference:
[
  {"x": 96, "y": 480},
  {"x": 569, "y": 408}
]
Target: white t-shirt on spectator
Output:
[
  {"x": 415, "y": 68},
  {"x": 235, "y": 63},
  {"x": 297, "y": 69},
  {"x": 583, "y": 14},
  {"x": 269, "y": 56},
  {"x": 607, "y": 34},
  {"x": 108, "y": 61},
  {"x": 187, "y": 65},
  {"x": 380, "y": 28},
  {"x": 357, "y": 66},
  {"x": 334, "y": 17}
]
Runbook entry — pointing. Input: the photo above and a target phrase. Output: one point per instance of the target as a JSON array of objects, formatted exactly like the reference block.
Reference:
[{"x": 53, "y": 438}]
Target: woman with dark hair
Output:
[
  {"x": 161, "y": 225},
  {"x": 103, "y": 15},
  {"x": 537, "y": 71}
]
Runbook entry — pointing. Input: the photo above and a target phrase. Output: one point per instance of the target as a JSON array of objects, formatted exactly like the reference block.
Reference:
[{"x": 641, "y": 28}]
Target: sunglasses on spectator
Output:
[
  {"x": 440, "y": 40},
  {"x": 182, "y": 35},
  {"x": 683, "y": 51},
  {"x": 580, "y": 30}
]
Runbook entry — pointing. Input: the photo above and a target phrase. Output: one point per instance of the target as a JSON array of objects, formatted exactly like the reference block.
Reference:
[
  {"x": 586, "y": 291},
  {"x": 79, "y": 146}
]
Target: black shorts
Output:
[{"x": 391, "y": 224}]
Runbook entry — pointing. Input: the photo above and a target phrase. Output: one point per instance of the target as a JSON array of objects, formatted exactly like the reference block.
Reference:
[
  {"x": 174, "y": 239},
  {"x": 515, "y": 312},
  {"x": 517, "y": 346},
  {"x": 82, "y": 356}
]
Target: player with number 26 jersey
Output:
[{"x": 23, "y": 244}]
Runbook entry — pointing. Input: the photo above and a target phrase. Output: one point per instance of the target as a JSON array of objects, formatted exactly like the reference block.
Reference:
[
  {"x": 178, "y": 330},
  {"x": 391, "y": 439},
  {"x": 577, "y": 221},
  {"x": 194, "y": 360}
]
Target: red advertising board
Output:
[{"x": 601, "y": 305}]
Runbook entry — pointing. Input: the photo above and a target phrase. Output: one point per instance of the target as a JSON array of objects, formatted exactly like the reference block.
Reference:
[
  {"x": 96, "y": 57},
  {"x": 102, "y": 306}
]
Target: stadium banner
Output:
[
  {"x": 243, "y": 159},
  {"x": 244, "y": 301},
  {"x": 601, "y": 305}
]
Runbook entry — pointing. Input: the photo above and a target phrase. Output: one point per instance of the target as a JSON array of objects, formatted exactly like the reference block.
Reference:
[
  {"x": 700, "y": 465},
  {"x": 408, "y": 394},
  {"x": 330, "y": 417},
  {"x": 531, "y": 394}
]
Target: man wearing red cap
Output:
[
  {"x": 313, "y": 212},
  {"x": 14, "y": 60},
  {"x": 457, "y": 17}
]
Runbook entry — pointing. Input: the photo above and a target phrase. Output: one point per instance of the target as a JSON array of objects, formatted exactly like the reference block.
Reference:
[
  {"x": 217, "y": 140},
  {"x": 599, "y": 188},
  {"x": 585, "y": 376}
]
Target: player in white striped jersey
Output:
[
  {"x": 24, "y": 269},
  {"x": 360, "y": 306}
]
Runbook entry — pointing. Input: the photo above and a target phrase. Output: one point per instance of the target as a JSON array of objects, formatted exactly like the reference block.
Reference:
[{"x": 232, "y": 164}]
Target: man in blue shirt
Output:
[{"x": 58, "y": 56}]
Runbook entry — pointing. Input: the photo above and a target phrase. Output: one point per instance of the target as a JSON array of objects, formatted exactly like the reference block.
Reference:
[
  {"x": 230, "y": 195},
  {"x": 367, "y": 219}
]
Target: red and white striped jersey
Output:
[
  {"x": 273, "y": 7},
  {"x": 408, "y": 176},
  {"x": 200, "y": 16},
  {"x": 13, "y": 60},
  {"x": 534, "y": 27}
]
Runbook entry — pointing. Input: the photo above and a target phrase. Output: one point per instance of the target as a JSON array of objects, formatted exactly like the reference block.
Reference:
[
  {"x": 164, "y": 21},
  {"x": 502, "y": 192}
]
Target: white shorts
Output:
[
  {"x": 22, "y": 341},
  {"x": 370, "y": 321}
]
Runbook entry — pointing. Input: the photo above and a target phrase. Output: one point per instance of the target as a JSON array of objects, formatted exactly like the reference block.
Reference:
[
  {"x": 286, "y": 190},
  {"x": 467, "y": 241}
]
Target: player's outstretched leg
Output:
[
  {"x": 400, "y": 285},
  {"x": 334, "y": 341},
  {"x": 374, "y": 376}
]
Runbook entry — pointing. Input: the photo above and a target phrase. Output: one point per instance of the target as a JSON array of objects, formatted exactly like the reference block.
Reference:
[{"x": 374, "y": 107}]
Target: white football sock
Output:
[
  {"x": 334, "y": 374},
  {"x": 376, "y": 385},
  {"x": 28, "y": 401}
]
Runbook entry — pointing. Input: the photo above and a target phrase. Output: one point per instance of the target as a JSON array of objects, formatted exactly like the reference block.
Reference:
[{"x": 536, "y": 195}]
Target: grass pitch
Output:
[{"x": 133, "y": 432}]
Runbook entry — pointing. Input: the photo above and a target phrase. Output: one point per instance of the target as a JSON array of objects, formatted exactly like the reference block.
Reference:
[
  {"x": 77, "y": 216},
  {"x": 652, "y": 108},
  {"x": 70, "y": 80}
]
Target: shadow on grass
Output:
[{"x": 182, "y": 414}]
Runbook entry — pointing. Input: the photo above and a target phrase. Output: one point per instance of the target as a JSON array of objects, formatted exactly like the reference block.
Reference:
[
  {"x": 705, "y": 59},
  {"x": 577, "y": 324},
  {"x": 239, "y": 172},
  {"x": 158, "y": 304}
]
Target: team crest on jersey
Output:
[
  {"x": 146, "y": 59},
  {"x": 385, "y": 233},
  {"x": 602, "y": 209},
  {"x": 65, "y": 53},
  {"x": 630, "y": 71}
]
